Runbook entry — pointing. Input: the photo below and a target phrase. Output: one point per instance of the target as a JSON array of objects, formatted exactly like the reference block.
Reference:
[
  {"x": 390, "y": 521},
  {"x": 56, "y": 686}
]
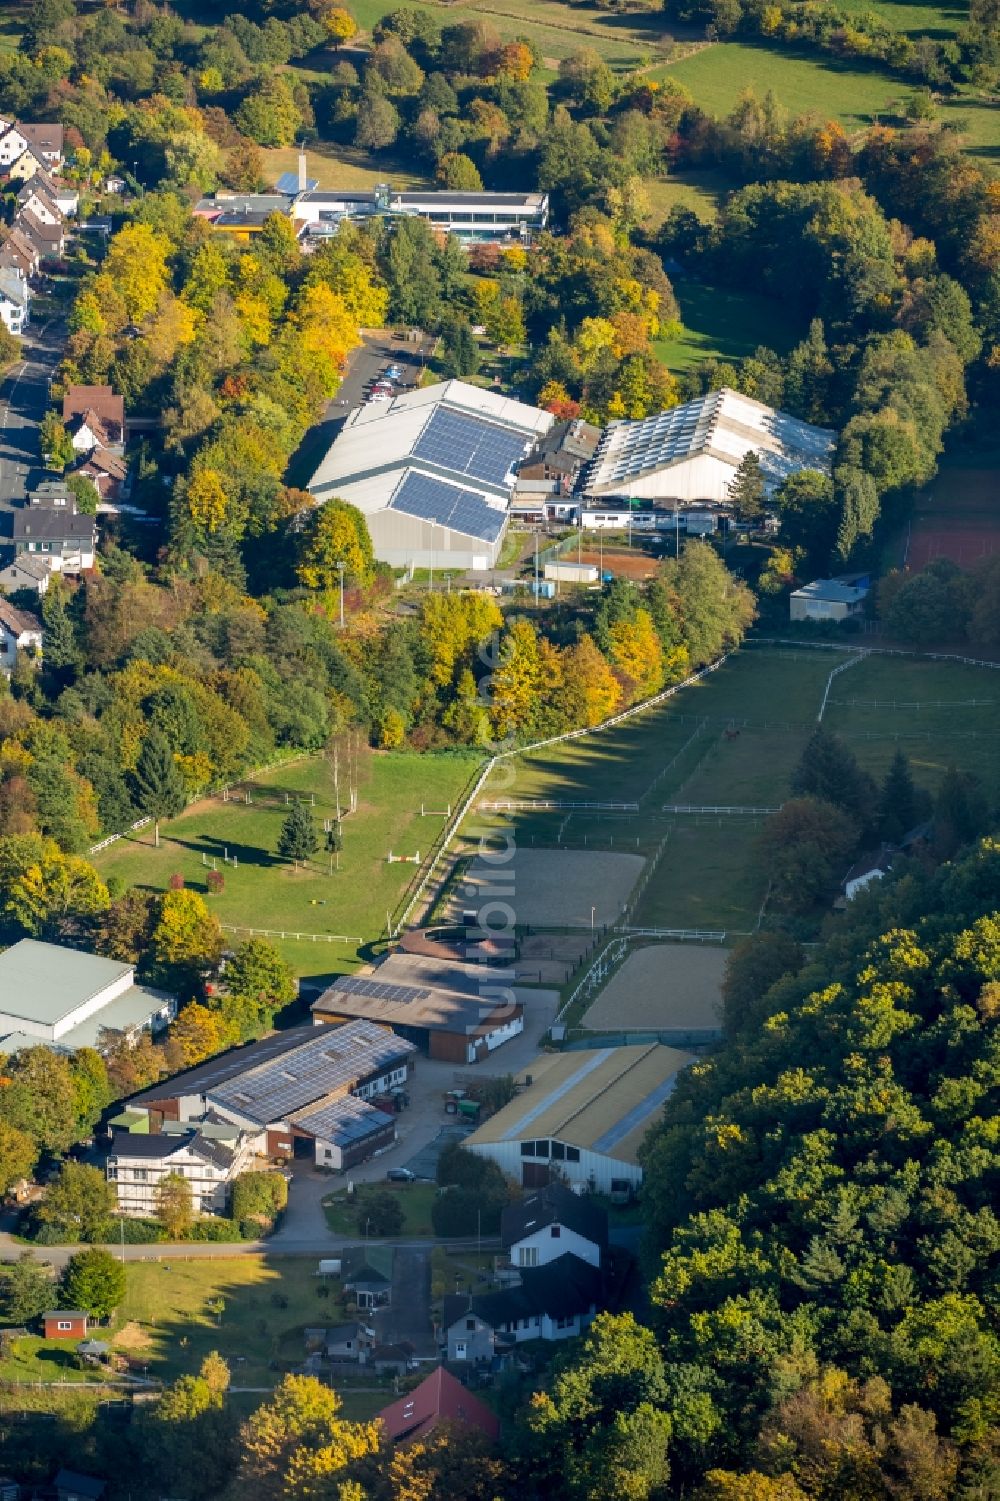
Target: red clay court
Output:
[{"x": 958, "y": 518}]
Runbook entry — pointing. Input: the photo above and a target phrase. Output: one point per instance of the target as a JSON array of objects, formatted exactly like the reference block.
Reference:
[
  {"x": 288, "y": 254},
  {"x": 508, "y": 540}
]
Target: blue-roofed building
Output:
[{"x": 433, "y": 471}]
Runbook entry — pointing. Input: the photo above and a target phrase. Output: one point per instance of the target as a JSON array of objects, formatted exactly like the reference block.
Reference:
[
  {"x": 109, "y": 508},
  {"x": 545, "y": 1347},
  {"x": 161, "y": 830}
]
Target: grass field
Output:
[
  {"x": 345, "y": 1214},
  {"x": 679, "y": 753},
  {"x": 724, "y": 325},
  {"x": 699, "y": 191},
  {"x": 265, "y": 892},
  {"x": 343, "y": 167},
  {"x": 940, "y": 21},
  {"x": 624, "y": 41},
  {"x": 165, "y": 1326}
]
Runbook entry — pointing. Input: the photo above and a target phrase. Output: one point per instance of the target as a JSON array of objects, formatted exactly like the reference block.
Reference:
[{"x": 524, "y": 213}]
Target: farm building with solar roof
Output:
[
  {"x": 433, "y": 472},
  {"x": 581, "y": 1116},
  {"x": 455, "y": 1026},
  {"x": 307, "y": 1092},
  {"x": 692, "y": 452}
]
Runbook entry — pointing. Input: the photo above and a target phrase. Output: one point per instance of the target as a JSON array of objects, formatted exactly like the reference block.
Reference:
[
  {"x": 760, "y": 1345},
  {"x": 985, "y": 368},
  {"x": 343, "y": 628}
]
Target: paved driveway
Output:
[
  {"x": 24, "y": 397},
  {"x": 408, "y": 1316}
]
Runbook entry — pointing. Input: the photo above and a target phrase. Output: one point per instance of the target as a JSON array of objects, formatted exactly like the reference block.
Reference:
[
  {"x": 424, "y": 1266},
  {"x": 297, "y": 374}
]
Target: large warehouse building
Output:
[
  {"x": 301, "y": 1093},
  {"x": 581, "y": 1116},
  {"x": 433, "y": 471},
  {"x": 445, "y": 1024},
  {"x": 691, "y": 453},
  {"x": 69, "y": 999}
]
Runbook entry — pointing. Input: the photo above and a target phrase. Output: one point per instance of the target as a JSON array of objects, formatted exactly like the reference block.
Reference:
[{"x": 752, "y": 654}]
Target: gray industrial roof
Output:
[
  {"x": 343, "y": 1121},
  {"x": 216, "y": 1071},
  {"x": 43, "y": 982},
  {"x": 417, "y": 1006},
  {"x": 833, "y": 591},
  {"x": 335, "y": 1058}
]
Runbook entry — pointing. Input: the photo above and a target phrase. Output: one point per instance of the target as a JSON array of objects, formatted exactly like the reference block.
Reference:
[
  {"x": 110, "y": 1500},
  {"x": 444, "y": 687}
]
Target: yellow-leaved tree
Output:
[
  {"x": 298, "y": 1445},
  {"x": 206, "y": 500},
  {"x": 593, "y": 691},
  {"x": 637, "y": 655},
  {"x": 336, "y": 533},
  {"x": 516, "y": 681},
  {"x": 136, "y": 264}
]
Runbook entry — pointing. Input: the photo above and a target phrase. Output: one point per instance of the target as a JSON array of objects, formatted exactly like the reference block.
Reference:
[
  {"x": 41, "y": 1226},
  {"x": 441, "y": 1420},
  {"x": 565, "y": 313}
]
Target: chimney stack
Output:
[{"x": 303, "y": 181}]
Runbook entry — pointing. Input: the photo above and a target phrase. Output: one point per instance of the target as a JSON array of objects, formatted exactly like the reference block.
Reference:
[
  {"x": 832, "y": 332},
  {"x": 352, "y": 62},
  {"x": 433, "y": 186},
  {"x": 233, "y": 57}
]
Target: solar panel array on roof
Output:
[
  {"x": 343, "y": 1122},
  {"x": 461, "y": 510},
  {"x": 468, "y": 445},
  {"x": 381, "y": 990},
  {"x": 336, "y": 1058},
  {"x": 633, "y": 448}
]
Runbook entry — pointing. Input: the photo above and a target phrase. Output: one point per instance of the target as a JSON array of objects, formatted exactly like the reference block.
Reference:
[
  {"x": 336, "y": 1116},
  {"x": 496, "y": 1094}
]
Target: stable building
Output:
[
  {"x": 581, "y": 1116},
  {"x": 445, "y": 1024},
  {"x": 302, "y": 1093},
  {"x": 432, "y": 471},
  {"x": 69, "y": 999},
  {"x": 691, "y": 452}
]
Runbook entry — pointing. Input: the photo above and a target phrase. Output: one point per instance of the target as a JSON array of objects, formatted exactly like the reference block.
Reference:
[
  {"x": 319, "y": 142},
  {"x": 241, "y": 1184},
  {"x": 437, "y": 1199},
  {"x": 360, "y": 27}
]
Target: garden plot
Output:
[
  {"x": 553, "y": 888},
  {"x": 660, "y": 988}
]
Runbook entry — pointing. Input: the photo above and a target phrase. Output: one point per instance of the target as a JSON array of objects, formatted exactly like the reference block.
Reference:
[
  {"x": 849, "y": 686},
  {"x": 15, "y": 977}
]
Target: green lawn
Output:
[
  {"x": 724, "y": 325},
  {"x": 557, "y": 28},
  {"x": 345, "y": 1214},
  {"x": 707, "y": 876},
  {"x": 344, "y": 167},
  {"x": 700, "y": 191},
  {"x": 263, "y": 891},
  {"x": 948, "y": 730},
  {"x": 940, "y": 21},
  {"x": 164, "y": 1325},
  {"x": 821, "y": 85}
]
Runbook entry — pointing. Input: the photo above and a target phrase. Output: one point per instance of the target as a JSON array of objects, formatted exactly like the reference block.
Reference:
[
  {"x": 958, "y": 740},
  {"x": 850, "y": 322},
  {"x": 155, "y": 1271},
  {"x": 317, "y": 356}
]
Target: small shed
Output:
[
  {"x": 94, "y": 1351},
  {"x": 66, "y": 1323}
]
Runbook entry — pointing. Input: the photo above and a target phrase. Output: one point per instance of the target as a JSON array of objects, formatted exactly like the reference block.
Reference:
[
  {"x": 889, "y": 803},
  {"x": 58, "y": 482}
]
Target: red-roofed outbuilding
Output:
[{"x": 438, "y": 1399}]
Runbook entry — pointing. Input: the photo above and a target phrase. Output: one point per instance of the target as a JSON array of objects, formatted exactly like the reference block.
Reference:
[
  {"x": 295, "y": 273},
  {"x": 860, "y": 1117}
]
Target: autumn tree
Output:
[
  {"x": 26, "y": 1290},
  {"x": 258, "y": 983},
  {"x": 805, "y": 848},
  {"x": 339, "y": 25},
  {"x": 36, "y": 1097},
  {"x": 516, "y": 680},
  {"x": 336, "y": 533},
  {"x": 136, "y": 266},
  {"x": 298, "y": 1442},
  {"x": 18, "y": 1155},
  {"x": 197, "y": 1033},
  {"x": 175, "y": 1205},
  {"x": 56, "y": 443},
  {"x": 186, "y": 941},
  {"x": 601, "y": 1429}
]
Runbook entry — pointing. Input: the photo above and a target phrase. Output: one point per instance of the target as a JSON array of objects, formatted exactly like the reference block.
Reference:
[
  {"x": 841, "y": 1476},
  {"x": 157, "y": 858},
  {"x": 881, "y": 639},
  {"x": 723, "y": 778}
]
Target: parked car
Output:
[
  {"x": 393, "y": 372},
  {"x": 400, "y": 1175}
]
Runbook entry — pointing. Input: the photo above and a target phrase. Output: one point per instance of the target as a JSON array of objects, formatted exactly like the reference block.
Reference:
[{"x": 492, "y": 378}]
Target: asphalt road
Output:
[{"x": 24, "y": 397}]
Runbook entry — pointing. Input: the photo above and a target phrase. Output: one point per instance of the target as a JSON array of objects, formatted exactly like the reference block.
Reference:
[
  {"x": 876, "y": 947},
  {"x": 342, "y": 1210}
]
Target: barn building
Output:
[
  {"x": 433, "y": 471},
  {"x": 444, "y": 1024},
  {"x": 692, "y": 452},
  {"x": 581, "y": 1116},
  {"x": 301, "y": 1093}
]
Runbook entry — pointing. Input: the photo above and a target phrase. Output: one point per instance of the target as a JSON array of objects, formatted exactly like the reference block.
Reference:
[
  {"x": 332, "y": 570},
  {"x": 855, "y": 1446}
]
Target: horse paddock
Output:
[{"x": 662, "y": 987}]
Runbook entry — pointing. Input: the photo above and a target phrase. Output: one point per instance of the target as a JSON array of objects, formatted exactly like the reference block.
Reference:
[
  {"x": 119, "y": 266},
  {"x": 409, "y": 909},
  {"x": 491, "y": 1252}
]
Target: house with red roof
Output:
[{"x": 440, "y": 1398}]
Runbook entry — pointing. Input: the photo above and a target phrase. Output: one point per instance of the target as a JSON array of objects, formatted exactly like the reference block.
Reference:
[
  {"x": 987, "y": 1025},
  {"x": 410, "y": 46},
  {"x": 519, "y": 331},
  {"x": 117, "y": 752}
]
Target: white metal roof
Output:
[{"x": 722, "y": 424}]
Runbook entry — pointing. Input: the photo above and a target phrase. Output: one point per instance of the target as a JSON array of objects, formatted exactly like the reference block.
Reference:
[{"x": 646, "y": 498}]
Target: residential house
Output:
[
  {"x": 15, "y": 299},
  {"x": 19, "y": 631},
  {"x": 440, "y": 1398},
  {"x": 51, "y": 527},
  {"x": 65, "y": 1323},
  {"x": 25, "y": 572},
  {"x": 12, "y": 145},
  {"x": 107, "y": 473},
  {"x": 18, "y": 253},
  {"x": 100, "y": 405},
  {"x": 27, "y": 164},
  {"x": 550, "y": 1222},
  {"x": 367, "y": 1275},
  {"x": 552, "y": 1302},
  {"x": 48, "y": 239},
  {"x": 38, "y": 195},
  {"x": 389, "y": 1360},
  {"x": 46, "y": 141},
  {"x": 209, "y": 1156},
  {"x": 71, "y": 1485},
  {"x": 349, "y": 1341}
]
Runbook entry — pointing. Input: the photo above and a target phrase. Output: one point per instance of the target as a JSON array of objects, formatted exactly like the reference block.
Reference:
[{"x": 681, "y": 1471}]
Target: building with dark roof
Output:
[
  {"x": 51, "y": 527},
  {"x": 439, "y": 1398},
  {"x": 448, "y": 1024},
  {"x": 208, "y": 1160},
  {"x": 551, "y": 1302},
  {"x": 309, "y": 1092},
  {"x": 546, "y": 1224},
  {"x": 432, "y": 471}
]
